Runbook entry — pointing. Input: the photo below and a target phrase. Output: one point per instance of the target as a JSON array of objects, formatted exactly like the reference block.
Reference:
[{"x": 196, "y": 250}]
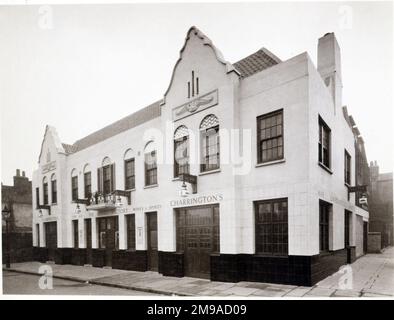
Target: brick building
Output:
[
  {"x": 18, "y": 199},
  {"x": 381, "y": 204}
]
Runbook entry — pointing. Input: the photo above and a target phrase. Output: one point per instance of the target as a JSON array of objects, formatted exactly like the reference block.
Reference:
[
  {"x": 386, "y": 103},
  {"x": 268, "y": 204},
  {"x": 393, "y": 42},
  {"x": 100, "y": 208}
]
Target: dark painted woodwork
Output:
[
  {"x": 51, "y": 239},
  {"x": 88, "y": 232},
  {"x": 98, "y": 258},
  {"x": 63, "y": 256},
  {"x": 108, "y": 233},
  {"x": 130, "y": 260},
  {"x": 78, "y": 256},
  {"x": 171, "y": 264},
  {"x": 40, "y": 254}
]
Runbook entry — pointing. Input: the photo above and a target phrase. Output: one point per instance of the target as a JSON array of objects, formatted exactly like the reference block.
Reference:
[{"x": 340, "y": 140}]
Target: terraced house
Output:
[{"x": 162, "y": 190}]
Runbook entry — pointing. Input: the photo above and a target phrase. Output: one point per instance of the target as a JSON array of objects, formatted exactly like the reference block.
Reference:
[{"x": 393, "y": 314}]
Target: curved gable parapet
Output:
[
  {"x": 51, "y": 131},
  {"x": 207, "y": 42}
]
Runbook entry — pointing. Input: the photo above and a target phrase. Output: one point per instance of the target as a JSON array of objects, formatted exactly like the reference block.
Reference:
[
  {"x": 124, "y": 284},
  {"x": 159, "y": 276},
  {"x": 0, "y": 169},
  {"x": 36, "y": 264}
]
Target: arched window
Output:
[
  {"x": 129, "y": 169},
  {"x": 106, "y": 176},
  {"x": 210, "y": 144},
  {"x": 53, "y": 188},
  {"x": 45, "y": 189},
  {"x": 181, "y": 151},
  {"x": 150, "y": 157},
  {"x": 74, "y": 185},
  {"x": 87, "y": 181}
]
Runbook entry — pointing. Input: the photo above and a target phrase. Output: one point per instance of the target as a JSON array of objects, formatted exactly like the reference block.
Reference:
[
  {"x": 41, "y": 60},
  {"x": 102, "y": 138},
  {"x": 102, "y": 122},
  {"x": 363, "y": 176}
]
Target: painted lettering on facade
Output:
[
  {"x": 48, "y": 167},
  {"x": 196, "y": 200}
]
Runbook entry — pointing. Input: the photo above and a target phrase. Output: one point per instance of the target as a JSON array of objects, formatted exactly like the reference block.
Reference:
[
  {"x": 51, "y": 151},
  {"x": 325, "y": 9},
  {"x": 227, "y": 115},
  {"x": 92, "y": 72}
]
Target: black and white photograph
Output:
[{"x": 197, "y": 150}]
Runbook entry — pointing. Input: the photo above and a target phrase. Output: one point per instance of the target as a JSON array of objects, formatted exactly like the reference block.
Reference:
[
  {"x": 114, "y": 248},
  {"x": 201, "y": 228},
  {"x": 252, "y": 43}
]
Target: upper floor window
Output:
[
  {"x": 181, "y": 151},
  {"x": 129, "y": 170},
  {"x": 54, "y": 188},
  {"x": 106, "y": 177},
  {"x": 45, "y": 190},
  {"x": 324, "y": 143},
  {"x": 37, "y": 197},
  {"x": 74, "y": 185},
  {"x": 210, "y": 143},
  {"x": 87, "y": 181},
  {"x": 348, "y": 161},
  {"x": 150, "y": 165},
  {"x": 270, "y": 137}
]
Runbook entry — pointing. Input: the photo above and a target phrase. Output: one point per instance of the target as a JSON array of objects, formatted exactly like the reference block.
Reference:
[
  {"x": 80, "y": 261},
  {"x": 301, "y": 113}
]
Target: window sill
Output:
[
  {"x": 176, "y": 179},
  {"x": 130, "y": 189},
  {"x": 209, "y": 172},
  {"x": 54, "y": 204},
  {"x": 151, "y": 186},
  {"x": 263, "y": 164},
  {"x": 325, "y": 168}
]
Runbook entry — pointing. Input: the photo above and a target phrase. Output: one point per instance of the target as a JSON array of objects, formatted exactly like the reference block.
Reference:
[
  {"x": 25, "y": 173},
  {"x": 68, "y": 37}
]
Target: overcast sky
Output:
[{"x": 92, "y": 65}]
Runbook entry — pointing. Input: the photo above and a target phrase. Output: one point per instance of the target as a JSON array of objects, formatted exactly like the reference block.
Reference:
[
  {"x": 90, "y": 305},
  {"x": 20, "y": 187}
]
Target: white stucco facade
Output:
[{"x": 296, "y": 86}]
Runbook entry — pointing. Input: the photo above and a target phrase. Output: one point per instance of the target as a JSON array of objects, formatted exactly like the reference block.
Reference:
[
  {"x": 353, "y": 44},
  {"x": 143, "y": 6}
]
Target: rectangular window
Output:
[
  {"x": 87, "y": 182},
  {"x": 181, "y": 152},
  {"x": 74, "y": 188},
  {"x": 76, "y": 234},
  {"x": 130, "y": 221},
  {"x": 271, "y": 227},
  {"x": 210, "y": 149},
  {"x": 38, "y": 234},
  {"x": 270, "y": 137},
  {"x": 348, "y": 162},
  {"x": 348, "y": 215},
  {"x": 129, "y": 168},
  {"x": 150, "y": 168},
  {"x": 45, "y": 190},
  {"x": 107, "y": 179},
  {"x": 324, "y": 225},
  {"x": 54, "y": 191},
  {"x": 37, "y": 197},
  {"x": 324, "y": 143}
]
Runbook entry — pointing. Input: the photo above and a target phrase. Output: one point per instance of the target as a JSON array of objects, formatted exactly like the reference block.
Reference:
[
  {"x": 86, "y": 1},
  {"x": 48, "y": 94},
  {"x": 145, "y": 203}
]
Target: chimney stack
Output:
[
  {"x": 18, "y": 172},
  {"x": 23, "y": 174},
  {"x": 329, "y": 67}
]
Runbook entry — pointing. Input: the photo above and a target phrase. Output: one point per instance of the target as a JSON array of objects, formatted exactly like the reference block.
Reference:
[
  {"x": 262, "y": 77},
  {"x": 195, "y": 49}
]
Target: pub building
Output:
[{"x": 118, "y": 198}]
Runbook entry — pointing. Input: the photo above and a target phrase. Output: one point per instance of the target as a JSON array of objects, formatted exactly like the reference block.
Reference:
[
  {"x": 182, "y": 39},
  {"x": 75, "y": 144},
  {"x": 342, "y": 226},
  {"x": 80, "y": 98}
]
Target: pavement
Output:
[{"x": 370, "y": 276}]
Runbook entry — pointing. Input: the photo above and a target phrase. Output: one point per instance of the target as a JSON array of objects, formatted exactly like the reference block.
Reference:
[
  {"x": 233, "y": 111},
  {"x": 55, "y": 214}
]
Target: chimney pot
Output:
[
  {"x": 18, "y": 172},
  {"x": 23, "y": 174}
]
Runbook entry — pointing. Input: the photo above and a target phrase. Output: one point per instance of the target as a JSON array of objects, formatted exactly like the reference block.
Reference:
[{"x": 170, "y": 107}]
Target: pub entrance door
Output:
[
  {"x": 197, "y": 234},
  {"x": 153, "y": 253},
  {"x": 51, "y": 239},
  {"x": 88, "y": 235},
  {"x": 108, "y": 237}
]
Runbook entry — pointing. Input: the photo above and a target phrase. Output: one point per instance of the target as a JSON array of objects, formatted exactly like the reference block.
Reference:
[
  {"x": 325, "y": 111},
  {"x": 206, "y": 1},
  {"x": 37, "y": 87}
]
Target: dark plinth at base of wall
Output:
[
  {"x": 171, "y": 263},
  {"x": 295, "y": 270},
  {"x": 130, "y": 260},
  {"x": 63, "y": 255},
  {"x": 78, "y": 256},
  {"x": 351, "y": 254},
  {"x": 40, "y": 254},
  {"x": 98, "y": 258}
]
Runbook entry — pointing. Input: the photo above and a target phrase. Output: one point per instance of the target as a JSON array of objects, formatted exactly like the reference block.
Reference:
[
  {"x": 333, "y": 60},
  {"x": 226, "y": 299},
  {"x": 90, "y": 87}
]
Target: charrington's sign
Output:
[{"x": 196, "y": 200}]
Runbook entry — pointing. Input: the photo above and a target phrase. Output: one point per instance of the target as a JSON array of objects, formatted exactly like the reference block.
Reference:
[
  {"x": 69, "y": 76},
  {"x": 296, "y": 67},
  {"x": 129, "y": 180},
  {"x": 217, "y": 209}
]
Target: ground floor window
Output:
[
  {"x": 130, "y": 222},
  {"x": 271, "y": 227},
  {"x": 324, "y": 225},
  {"x": 75, "y": 234},
  {"x": 348, "y": 215},
  {"x": 38, "y": 234}
]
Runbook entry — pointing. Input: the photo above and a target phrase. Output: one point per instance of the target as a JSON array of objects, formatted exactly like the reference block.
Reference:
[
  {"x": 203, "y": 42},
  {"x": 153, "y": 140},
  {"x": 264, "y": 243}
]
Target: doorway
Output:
[
  {"x": 51, "y": 239},
  {"x": 88, "y": 235},
  {"x": 153, "y": 253},
  {"x": 108, "y": 237}
]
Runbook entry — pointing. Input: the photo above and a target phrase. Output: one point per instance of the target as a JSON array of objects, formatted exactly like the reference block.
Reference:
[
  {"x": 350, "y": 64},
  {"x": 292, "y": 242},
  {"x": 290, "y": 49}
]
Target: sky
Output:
[{"x": 82, "y": 67}]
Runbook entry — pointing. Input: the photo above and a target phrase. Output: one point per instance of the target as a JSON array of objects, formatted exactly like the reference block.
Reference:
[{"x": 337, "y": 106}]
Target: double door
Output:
[{"x": 108, "y": 237}]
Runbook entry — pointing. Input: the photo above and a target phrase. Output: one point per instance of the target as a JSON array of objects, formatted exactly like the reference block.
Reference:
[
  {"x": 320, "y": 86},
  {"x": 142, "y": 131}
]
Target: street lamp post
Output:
[{"x": 6, "y": 213}]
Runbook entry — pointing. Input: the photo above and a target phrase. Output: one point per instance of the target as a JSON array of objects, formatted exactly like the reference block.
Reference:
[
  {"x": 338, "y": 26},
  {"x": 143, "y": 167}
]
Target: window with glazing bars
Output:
[
  {"x": 87, "y": 181},
  {"x": 107, "y": 184},
  {"x": 74, "y": 188},
  {"x": 150, "y": 168},
  {"x": 324, "y": 225},
  {"x": 181, "y": 152},
  {"x": 210, "y": 149},
  {"x": 45, "y": 189},
  {"x": 129, "y": 174},
  {"x": 76, "y": 234},
  {"x": 54, "y": 191},
  {"x": 270, "y": 137},
  {"x": 271, "y": 227},
  {"x": 347, "y": 168},
  {"x": 324, "y": 143},
  {"x": 130, "y": 221}
]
